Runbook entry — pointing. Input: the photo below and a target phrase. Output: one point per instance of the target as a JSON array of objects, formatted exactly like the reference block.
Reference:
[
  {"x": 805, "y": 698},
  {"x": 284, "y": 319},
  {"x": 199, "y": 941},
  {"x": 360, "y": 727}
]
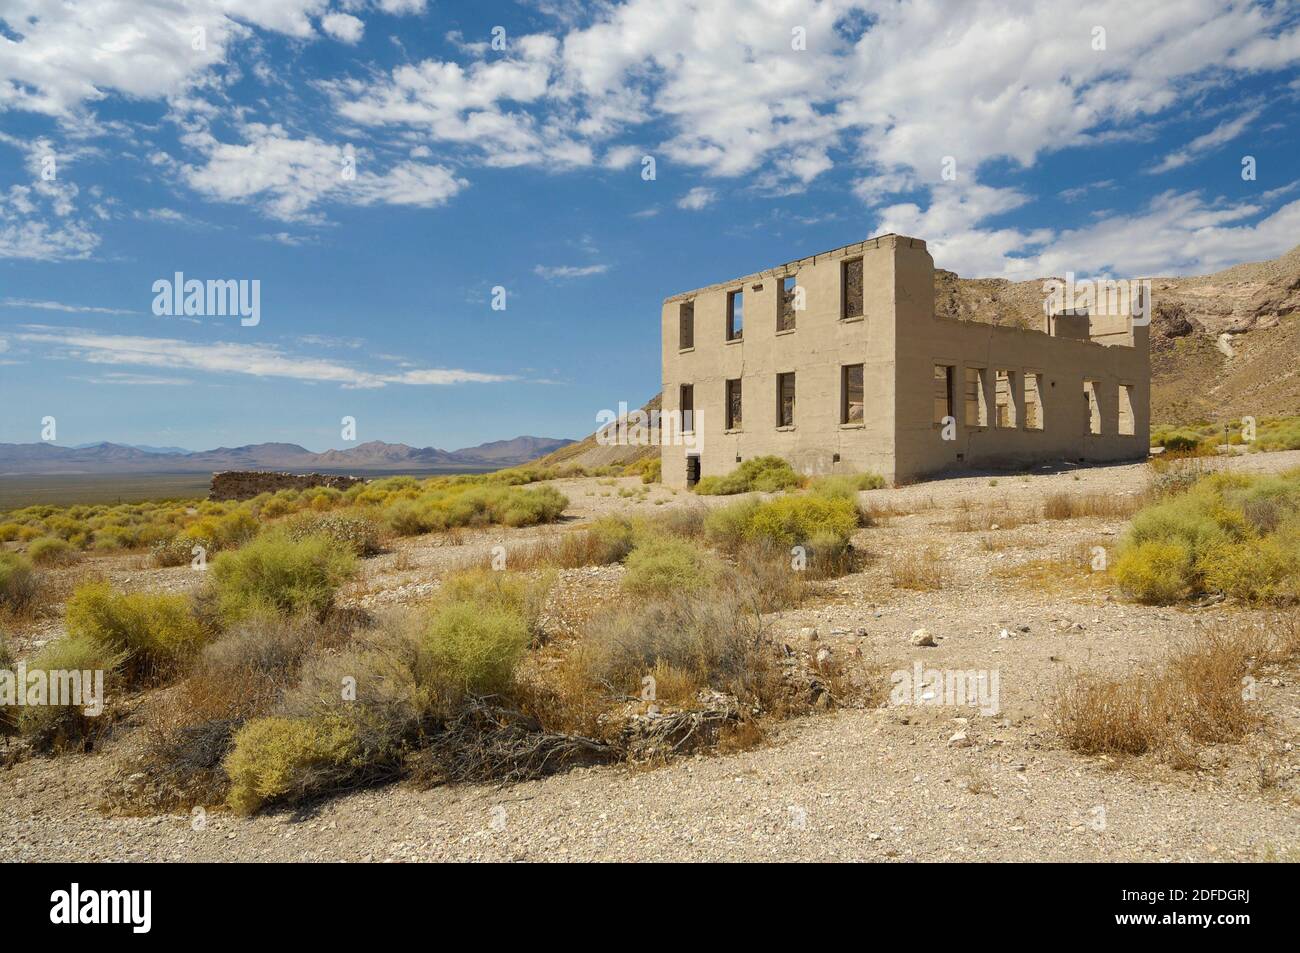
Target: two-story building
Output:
[{"x": 838, "y": 363}]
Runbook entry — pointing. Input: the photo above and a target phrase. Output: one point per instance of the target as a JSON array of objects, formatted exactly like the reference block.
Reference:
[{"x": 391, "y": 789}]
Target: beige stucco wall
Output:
[
  {"x": 898, "y": 341},
  {"x": 1064, "y": 362},
  {"x": 815, "y": 351}
]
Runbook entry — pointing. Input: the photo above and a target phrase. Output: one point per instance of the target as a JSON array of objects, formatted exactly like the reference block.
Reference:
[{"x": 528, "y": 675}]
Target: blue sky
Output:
[{"x": 210, "y": 137}]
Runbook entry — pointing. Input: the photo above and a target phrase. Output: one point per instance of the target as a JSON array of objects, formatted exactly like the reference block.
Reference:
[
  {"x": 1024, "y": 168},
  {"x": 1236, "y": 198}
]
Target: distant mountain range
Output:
[{"x": 108, "y": 458}]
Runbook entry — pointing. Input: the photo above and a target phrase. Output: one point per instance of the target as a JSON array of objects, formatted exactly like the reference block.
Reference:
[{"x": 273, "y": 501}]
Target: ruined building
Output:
[{"x": 838, "y": 364}]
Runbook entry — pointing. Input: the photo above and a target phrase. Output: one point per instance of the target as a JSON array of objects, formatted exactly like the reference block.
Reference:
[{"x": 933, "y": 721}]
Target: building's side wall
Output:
[
  {"x": 1064, "y": 363},
  {"x": 821, "y": 344}
]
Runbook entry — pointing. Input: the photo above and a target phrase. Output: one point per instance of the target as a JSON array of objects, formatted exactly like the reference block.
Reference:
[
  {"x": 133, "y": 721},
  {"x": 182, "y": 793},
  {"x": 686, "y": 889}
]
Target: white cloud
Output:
[
  {"x": 1225, "y": 131},
  {"x": 37, "y": 219},
  {"x": 255, "y": 360},
  {"x": 402, "y": 6},
  {"x": 480, "y": 107},
  {"x": 139, "y": 380},
  {"x": 60, "y": 306},
  {"x": 286, "y": 238},
  {"x": 343, "y": 27},
  {"x": 1176, "y": 233},
  {"x": 291, "y": 176},
  {"x": 697, "y": 198},
  {"x": 563, "y": 272}
]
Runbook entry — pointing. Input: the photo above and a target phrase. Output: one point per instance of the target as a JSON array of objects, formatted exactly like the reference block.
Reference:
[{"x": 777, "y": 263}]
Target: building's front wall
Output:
[
  {"x": 821, "y": 343},
  {"x": 898, "y": 340}
]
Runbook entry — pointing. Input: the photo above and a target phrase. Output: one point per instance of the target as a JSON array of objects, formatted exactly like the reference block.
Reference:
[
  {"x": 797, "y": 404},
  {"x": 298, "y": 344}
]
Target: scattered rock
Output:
[{"x": 922, "y": 637}]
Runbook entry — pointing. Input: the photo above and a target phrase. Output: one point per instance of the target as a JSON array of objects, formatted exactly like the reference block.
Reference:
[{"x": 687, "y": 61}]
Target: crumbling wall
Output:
[{"x": 246, "y": 484}]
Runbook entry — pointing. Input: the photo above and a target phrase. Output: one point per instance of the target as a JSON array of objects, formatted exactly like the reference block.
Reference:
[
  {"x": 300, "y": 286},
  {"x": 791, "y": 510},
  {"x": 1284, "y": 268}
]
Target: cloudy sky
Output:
[{"x": 381, "y": 166}]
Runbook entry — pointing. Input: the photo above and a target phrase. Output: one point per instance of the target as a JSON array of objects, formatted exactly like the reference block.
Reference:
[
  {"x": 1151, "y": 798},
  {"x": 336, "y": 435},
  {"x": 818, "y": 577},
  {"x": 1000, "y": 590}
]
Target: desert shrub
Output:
[
  {"x": 1230, "y": 533},
  {"x": 288, "y": 759},
  {"x": 1277, "y": 433},
  {"x": 276, "y": 574},
  {"x": 686, "y": 521},
  {"x": 1196, "y": 698},
  {"x": 1155, "y": 571},
  {"x": 1254, "y": 570},
  {"x": 794, "y": 520},
  {"x": 1180, "y": 441},
  {"x": 55, "y": 728},
  {"x": 355, "y": 531},
  {"x": 846, "y": 485},
  {"x": 921, "y": 570},
  {"x": 474, "y": 505},
  {"x": 649, "y": 469},
  {"x": 523, "y": 595},
  {"x": 760, "y": 474},
  {"x": 729, "y": 526},
  {"x": 392, "y": 708},
  {"x": 765, "y": 580},
  {"x": 530, "y": 507},
  {"x": 8, "y": 712},
  {"x": 51, "y": 551},
  {"x": 246, "y": 670},
  {"x": 1172, "y": 477},
  {"x": 19, "y": 584},
  {"x": 470, "y": 649},
  {"x": 154, "y": 632},
  {"x": 660, "y": 566},
  {"x": 177, "y": 550},
  {"x": 406, "y": 518},
  {"x": 9, "y": 532},
  {"x": 612, "y": 538},
  {"x": 709, "y": 640}
]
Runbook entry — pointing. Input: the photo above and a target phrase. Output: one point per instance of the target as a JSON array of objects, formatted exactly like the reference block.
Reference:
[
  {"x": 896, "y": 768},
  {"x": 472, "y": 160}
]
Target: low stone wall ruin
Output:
[{"x": 246, "y": 484}]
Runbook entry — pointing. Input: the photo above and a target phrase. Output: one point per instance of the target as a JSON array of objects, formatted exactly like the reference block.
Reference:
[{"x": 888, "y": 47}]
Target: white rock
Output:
[{"x": 922, "y": 637}]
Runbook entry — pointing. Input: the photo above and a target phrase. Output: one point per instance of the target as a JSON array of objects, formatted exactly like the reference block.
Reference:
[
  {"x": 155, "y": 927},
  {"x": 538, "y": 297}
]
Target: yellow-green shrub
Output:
[
  {"x": 276, "y": 574},
  {"x": 846, "y": 484},
  {"x": 516, "y": 592},
  {"x": 471, "y": 648},
  {"x": 1155, "y": 571},
  {"x": 1256, "y": 570},
  {"x": 793, "y": 520},
  {"x": 287, "y": 759},
  {"x": 660, "y": 566},
  {"x": 155, "y": 632},
  {"x": 1231, "y": 533},
  {"x": 357, "y": 532},
  {"x": 19, "y": 583},
  {"x": 760, "y": 474},
  {"x": 51, "y": 551}
]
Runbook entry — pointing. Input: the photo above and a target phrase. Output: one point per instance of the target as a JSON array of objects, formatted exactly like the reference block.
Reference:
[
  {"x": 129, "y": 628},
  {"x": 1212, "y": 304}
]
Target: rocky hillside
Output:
[
  {"x": 1222, "y": 345},
  {"x": 587, "y": 452}
]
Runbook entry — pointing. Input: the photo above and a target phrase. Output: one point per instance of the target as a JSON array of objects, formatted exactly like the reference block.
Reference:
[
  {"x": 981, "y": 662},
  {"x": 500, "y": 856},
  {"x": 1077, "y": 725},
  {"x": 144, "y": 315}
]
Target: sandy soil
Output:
[{"x": 887, "y": 783}]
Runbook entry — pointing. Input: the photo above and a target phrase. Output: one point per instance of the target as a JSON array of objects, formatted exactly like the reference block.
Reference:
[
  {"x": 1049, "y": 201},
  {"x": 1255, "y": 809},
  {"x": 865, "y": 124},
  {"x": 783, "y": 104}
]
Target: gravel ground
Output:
[{"x": 892, "y": 783}]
